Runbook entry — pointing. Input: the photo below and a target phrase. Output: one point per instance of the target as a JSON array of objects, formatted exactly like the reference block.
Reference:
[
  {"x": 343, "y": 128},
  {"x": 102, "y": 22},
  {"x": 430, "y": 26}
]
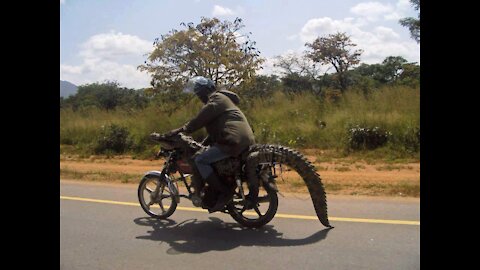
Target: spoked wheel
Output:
[
  {"x": 258, "y": 215},
  {"x": 156, "y": 197}
]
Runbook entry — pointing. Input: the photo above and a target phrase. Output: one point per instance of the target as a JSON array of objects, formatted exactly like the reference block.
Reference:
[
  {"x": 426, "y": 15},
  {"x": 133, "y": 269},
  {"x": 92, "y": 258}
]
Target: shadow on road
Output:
[{"x": 193, "y": 236}]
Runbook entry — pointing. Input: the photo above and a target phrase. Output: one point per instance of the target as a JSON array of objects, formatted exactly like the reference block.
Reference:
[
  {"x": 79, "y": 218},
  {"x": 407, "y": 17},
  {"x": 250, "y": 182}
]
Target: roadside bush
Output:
[
  {"x": 66, "y": 141},
  {"x": 113, "y": 138},
  {"x": 361, "y": 138},
  {"x": 411, "y": 139},
  {"x": 331, "y": 95},
  {"x": 263, "y": 133}
]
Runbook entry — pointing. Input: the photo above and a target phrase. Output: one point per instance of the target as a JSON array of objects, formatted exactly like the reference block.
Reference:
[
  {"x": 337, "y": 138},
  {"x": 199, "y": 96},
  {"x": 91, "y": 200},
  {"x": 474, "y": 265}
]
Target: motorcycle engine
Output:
[
  {"x": 209, "y": 197},
  {"x": 228, "y": 168}
]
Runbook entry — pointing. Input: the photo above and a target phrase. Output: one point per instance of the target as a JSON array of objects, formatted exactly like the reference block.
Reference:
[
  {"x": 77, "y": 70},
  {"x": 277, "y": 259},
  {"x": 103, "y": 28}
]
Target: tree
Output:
[
  {"x": 392, "y": 68},
  {"x": 410, "y": 75},
  {"x": 297, "y": 64},
  {"x": 373, "y": 71},
  {"x": 388, "y": 72},
  {"x": 107, "y": 95},
  {"x": 299, "y": 72},
  {"x": 212, "y": 49},
  {"x": 412, "y": 23},
  {"x": 335, "y": 49},
  {"x": 363, "y": 79},
  {"x": 295, "y": 83},
  {"x": 263, "y": 87}
]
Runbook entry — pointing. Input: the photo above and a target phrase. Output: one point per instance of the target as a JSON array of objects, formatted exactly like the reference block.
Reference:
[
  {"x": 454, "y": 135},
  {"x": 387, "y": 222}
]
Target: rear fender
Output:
[{"x": 268, "y": 179}]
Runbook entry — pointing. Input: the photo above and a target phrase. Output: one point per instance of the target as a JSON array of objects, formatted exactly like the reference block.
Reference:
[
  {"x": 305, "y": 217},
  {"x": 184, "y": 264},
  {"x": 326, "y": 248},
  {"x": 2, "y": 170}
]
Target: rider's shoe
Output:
[
  {"x": 196, "y": 200},
  {"x": 225, "y": 193},
  {"x": 249, "y": 204},
  {"x": 222, "y": 200}
]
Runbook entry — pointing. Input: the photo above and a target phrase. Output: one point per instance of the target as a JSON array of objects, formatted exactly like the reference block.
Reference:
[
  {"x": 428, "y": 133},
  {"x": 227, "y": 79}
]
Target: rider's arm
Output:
[
  {"x": 206, "y": 141},
  {"x": 210, "y": 111}
]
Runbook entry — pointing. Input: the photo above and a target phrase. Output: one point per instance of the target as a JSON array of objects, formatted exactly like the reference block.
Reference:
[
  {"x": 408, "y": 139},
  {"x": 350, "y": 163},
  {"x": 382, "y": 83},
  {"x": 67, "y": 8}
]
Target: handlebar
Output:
[
  {"x": 164, "y": 140},
  {"x": 161, "y": 153},
  {"x": 161, "y": 137},
  {"x": 157, "y": 136}
]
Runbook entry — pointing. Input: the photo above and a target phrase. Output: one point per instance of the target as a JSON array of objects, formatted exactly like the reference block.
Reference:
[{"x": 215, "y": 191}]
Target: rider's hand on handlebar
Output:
[
  {"x": 155, "y": 136},
  {"x": 159, "y": 154},
  {"x": 174, "y": 132}
]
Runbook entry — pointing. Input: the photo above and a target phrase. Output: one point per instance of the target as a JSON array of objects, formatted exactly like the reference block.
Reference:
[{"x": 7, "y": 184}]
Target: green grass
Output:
[
  {"x": 390, "y": 168},
  {"x": 358, "y": 167},
  {"x": 343, "y": 169},
  {"x": 278, "y": 120},
  {"x": 321, "y": 168},
  {"x": 330, "y": 187},
  {"x": 400, "y": 189},
  {"x": 405, "y": 189},
  {"x": 99, "y": 176}
]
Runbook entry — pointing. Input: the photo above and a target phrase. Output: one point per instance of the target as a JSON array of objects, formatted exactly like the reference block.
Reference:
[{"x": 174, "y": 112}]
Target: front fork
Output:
[
  {"x": 164, "y": 180},
  {"x": 240, "y": 187},
  {"x": 155, "y": 195}
]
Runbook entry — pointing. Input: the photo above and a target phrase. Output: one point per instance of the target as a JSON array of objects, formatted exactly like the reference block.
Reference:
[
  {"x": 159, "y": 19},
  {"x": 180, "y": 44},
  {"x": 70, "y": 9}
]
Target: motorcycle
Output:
[{"x": 251, "y": 177}]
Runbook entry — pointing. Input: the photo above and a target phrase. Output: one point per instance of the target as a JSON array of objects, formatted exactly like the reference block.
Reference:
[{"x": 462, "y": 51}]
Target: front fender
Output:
[{"x": 153, "y": 173}]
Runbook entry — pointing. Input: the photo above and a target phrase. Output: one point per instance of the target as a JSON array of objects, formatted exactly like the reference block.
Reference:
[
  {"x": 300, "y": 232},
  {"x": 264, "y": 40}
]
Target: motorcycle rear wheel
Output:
[{"x": 262, "y": 214}]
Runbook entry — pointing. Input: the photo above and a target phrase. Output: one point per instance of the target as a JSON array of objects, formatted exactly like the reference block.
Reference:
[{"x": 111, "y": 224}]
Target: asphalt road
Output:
[{"x": 369, "y": 233}]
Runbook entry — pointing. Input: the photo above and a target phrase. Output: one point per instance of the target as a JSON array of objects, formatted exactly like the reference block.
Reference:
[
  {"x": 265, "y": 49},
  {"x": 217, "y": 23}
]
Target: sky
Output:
[{"x": 104, "y": 40}]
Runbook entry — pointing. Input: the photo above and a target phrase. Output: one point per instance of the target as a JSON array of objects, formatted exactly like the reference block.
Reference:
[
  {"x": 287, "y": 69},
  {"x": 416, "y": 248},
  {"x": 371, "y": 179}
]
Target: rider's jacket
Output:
[{"x": 226, "y": 125}]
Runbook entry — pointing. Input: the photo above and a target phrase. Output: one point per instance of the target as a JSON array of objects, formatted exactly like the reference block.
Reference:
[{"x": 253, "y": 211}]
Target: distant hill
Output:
[{"x": 67, "y": 88}]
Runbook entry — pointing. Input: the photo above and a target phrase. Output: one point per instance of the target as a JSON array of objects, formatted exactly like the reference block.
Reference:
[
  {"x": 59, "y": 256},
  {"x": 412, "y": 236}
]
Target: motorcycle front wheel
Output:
[
  {"x": 159, "y": 204},
  {"x": 261, "y": 213}
]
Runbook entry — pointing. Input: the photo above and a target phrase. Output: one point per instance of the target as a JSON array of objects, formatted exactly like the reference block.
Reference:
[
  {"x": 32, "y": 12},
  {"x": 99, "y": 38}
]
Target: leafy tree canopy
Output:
[
  {"x": 412, "y": 23},
  {"x": 336, "y": 50},
  {"x": 213, "y": 48}
]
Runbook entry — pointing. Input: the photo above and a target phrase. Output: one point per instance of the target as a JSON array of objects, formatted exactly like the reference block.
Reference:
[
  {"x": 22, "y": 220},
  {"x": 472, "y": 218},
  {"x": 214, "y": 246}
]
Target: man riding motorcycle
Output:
[{"x": 228, "y": 131}]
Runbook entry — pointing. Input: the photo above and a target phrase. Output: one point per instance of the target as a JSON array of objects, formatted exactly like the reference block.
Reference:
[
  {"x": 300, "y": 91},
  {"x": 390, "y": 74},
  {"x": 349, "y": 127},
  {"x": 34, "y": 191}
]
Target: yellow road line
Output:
[{"x": 363, "y": 220}]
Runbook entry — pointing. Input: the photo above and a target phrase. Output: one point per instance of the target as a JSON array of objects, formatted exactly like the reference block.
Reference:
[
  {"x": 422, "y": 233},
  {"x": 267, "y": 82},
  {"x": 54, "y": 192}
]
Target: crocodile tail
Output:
[{"x": 294, "y": 159}]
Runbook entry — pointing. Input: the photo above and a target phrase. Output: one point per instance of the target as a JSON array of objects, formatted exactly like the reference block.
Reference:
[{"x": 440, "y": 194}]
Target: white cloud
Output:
[
  {"x": 73, "y": 70},
  {"x": 376, "y": 44},
  {"x": 386, "y": 34},
  {"x": 401, "y": 9},
  {"x": 292, "y": 37},
  {"x": 109, "y": 57},
  {"x": 240, "y": 38},
  {"x": 321, "y": 26},
  {"x": 404, "y": 4},
  {"x": 113, "y": 45},
  {"x": 372, "y": 11},
  {"x": 268, "y": 67},
  {"x": 222, "y": 11},
  {"x": 127, "y": 75}
]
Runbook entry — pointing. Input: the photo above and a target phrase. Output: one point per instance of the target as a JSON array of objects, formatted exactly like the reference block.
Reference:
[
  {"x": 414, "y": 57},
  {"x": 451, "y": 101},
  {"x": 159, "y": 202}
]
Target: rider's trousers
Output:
[{"x": 204, "y": 160}]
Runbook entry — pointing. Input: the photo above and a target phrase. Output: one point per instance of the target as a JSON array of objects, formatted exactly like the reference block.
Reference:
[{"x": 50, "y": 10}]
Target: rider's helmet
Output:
[{"x": 200, "y": 85}]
